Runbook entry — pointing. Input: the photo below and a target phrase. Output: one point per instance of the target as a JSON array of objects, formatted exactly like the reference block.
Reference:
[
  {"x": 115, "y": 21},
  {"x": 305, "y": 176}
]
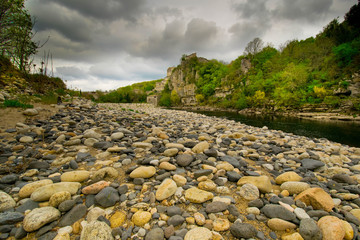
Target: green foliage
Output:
[
  {"x": 16, "y": 33},
  {"x": 43, "y": 84},
  {"x": 241, "y": 102},
  {"x": 174, "y": 97},
  {"x": 16, "y": 104},
  {"x": 263, "y": 56},
  {"x": 135, "y": 93},
  {"x": 344, "y": 53},
  {"x": 258, "y": 100},
  {"x": 165, "y": 100},
  {"x": 199, "y": 98},
  {"x": 210, "y": 75},
  {"x": 320, "y": 92},
  {"x": 332, "y": 101}
]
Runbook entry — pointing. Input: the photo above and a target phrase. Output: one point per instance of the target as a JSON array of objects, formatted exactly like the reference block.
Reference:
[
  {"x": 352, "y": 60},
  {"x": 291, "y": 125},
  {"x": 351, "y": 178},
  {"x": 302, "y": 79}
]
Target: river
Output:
[{"x": 343, "y": 132}]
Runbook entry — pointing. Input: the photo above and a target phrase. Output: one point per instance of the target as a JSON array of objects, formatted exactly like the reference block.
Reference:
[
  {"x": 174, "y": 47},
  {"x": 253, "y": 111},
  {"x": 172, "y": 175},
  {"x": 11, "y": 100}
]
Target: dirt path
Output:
[{"x": 10, "y": 116}]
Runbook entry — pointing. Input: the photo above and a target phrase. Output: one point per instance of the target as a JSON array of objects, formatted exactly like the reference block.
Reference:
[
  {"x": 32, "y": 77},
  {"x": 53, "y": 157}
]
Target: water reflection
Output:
[{"x": 343, "y": 132}]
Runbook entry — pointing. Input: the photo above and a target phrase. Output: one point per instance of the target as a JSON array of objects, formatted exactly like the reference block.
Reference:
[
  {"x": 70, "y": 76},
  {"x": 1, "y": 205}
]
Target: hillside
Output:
[
  {"x": 136, "y": 93},
  {"x": 26, "y": 87},
  {"x": 320, "y": 73}
]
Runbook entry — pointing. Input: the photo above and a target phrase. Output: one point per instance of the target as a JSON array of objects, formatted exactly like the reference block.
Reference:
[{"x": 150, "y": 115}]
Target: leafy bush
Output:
[
  {"x": 199, "y": 98},
  {"x": 241, "y": 102},
  {"x": 344, "y": 53},
  {"x": 174, "y": 97},
  {"x": 258, "y": 99},
  {"x": 165, "y": 100},
  {"x": 333, "y": 101},
  {"x": 320, "y": 92}
]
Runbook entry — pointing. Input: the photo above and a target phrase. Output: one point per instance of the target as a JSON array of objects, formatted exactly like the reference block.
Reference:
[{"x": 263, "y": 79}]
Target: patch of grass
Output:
[
  {"x": 16, "y": 104},
  {"x": 49, "y": 98}
]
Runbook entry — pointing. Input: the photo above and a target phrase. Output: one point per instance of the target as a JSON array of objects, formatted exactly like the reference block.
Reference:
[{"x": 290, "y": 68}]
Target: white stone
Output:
[{"x": 38, "y": 217}]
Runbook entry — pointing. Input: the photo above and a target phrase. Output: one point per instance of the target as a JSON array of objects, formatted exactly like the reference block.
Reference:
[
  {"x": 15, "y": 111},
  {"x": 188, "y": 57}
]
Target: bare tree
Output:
[{"x": 254, "y": 46}]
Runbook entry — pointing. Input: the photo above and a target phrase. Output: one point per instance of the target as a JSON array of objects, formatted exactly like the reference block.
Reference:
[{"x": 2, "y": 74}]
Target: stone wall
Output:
[{"x": 153, "y": 99}]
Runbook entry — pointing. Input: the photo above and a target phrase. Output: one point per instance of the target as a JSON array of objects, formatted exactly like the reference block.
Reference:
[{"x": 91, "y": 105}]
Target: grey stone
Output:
[
  {"x": 175, "y": 220},
  {"x": 211, "y": 152},
  {"x": 233, "y": 176},
  {"x": 215, "y": 207},
  {"x": 9, "y": 179},
  {"x": 277, "y": 211},
  {"x": 243, "y": 230},
  {"x": 28, "y": 205},
  {"x": 344, "y": 178},
  {"x": 202, "y": 172},
  {"x": 48, "y": 236},
  {"x": 233, "y": 210},
  {"x": 10, "y": 217},
  {"x": 123, "y": 189},
  {"x": 309, "y": 230},
  {"x": 38, "y": 165},
  {"x": 20, "y": 233},
  {"x": 173, "y": 210},
  {"x": 66, "y": 205},
  {"x": 311, "y": 164},
  {"x": 155, "y": 234},
  {"x": 184, "y": 160},
  {"x": 107, "y": 197},
  {"x": 73, "y": 215},
  {"x": 73, "y": 164},
  {"x": 256, "y": 203}
]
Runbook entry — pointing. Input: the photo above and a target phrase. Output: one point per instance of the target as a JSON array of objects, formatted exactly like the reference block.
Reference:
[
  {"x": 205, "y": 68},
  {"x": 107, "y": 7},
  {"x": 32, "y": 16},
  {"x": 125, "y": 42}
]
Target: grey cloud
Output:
[
  {"x": 244, "y": 32},
  {"x": 178, "y": 38},
  {"x": 251, "y": 9},
  {"x": 304, "y": 10},
  {"x": 50, "y": 16},
  {"x": 106, "y": 9},
  {"x": 200, "y": 34},
  {"x": 166, "y": 43},
  {"x": 71, "y": 72}
]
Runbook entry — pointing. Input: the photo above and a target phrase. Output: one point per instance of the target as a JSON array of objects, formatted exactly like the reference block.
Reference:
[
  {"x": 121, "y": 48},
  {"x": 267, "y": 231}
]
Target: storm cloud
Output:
[{"x": 111, "y": 43}]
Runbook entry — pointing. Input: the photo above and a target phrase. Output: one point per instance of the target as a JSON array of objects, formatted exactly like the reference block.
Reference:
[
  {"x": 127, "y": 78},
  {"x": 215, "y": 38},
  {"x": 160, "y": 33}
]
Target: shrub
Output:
[
  {"x": 332, "y": 101},
  {"x": 199, "y": 98},
  {"x": 320, "y": 92},
  {"x": 174, "y": 97},
  {"x": 165, "y": 100},
  {"x": 344, "y": 53},
  {"x": 241, "y": 103},
  {"x": 258, "y": 99}
]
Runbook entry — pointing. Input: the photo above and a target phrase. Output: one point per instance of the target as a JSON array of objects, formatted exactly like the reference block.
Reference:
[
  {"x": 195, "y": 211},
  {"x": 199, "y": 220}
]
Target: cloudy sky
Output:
[{"x": 106, "y": 44}]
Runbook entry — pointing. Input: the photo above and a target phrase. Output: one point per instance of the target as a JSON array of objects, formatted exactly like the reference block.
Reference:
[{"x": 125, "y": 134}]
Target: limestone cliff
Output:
[{"x": 181, "y": 79}]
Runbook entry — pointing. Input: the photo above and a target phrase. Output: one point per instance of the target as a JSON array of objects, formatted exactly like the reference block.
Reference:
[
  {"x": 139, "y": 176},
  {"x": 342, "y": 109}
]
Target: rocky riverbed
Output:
[{"x": 132, "y": 171}]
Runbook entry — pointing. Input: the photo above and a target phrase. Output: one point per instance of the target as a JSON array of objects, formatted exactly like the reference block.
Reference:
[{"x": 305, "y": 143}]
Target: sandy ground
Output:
[{"x": 10, "y": 116}]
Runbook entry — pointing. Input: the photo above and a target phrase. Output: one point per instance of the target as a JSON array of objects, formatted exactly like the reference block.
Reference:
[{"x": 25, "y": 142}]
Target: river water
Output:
[{"x": 343, "y": 132}]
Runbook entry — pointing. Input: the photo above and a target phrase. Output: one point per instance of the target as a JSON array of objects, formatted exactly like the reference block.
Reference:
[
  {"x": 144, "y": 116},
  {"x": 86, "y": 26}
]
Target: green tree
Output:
[
  {"x": 16, "y": 33},
  {"x": 175, "y": 99},
  {"x": 344, "y": 53}
]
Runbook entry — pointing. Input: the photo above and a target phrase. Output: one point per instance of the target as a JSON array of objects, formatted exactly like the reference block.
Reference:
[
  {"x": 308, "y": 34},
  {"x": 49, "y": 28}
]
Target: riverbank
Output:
[
  {"x": 135, "y": 171},
  {"x": 317, "y": 116}
]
